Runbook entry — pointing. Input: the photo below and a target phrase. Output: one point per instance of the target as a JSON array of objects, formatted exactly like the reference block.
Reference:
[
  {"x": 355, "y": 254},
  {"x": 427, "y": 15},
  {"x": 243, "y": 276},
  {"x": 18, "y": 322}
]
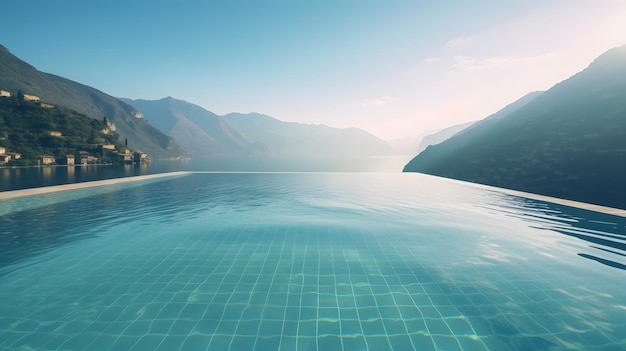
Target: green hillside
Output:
[
  {"x": 31, "y": 130},
  {"x": 568, "y": 142},
  {"x": 16, "y": 75}
]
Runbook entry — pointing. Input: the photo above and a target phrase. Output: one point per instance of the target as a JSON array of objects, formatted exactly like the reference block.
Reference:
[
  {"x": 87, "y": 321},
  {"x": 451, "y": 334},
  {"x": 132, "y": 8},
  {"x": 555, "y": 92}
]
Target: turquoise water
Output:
[{"x": 308, "y": 262}]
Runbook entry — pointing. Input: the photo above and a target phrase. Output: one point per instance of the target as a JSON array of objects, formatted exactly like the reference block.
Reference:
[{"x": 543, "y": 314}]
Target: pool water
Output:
[{"x": 306, "y": 261}]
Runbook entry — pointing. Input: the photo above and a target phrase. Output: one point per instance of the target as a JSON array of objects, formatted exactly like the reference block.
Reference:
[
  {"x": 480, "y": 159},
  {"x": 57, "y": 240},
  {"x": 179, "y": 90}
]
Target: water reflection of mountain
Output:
[{"x": 604, "y": 233}]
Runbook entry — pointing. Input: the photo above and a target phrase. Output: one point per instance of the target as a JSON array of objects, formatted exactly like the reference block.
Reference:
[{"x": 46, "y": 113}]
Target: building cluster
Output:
[
  {"x": 8, "y": 156},
  {"x": 27, "y": 97},
  {"x": 81, "y": 158}
]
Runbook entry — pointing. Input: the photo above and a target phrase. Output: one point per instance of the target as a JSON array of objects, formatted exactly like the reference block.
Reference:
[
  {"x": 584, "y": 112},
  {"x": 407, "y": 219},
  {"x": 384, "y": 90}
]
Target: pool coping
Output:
[
  {"x": 56, "y": 188},
  {"x": 571, "y": 203}
]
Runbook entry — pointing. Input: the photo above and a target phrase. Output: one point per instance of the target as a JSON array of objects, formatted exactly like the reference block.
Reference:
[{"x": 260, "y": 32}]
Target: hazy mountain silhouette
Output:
[
  {"x": 206, "y": 134},
  {"x": 16, "y": 75},
  {"x": 568, "y": 142},
  {"x": 289, "y": 139},
  {"x": 442, "y": 135},
  {"x": 202, "y": 132}
]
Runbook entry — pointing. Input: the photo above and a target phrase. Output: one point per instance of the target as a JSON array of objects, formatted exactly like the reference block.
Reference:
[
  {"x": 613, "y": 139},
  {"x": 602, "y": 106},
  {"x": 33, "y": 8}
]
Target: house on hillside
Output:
[
  {"x": 4, "y": 155},
  {"x": 125, "y": 157},
  {"x": 110, "y": 127},
  {"x": 5, "y": 93},
  {"x": 44, "y": 105},
  {"x": 14, "y": 155},
  {"x": 68, "y": 160},
  {"x": 31, "y": 98},
  {"x": 84, "y": 158},
  {"x": 47, "y": 159},
  {"x": 141, "y": 157},
  {"x": 55, "y": 133}
]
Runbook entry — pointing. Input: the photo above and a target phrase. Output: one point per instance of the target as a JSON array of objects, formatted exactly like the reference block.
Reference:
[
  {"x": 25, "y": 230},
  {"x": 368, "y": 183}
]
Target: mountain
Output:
[
  {"x": 206, "y": 134},
  {"x": 415, "y": 145},
  {"x": 567, "y": 142},
  {"x": 408, "y": 145},
  {"x": 418, "y": 144},
  {"x": 17, "y": 75},
  {"x": 289, "y": 139},
  {"x": 442, "y": 135},
  {"x": 203, "y": 133}
]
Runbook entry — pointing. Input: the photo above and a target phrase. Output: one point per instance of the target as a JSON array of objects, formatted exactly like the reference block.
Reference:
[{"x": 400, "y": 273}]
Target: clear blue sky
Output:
[{"x": 393, "y": 68}]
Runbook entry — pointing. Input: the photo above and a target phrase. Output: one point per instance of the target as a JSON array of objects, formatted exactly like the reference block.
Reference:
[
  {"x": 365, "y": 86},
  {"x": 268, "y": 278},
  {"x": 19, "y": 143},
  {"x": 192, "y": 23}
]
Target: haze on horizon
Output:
[{"x": 394, "y": 69}]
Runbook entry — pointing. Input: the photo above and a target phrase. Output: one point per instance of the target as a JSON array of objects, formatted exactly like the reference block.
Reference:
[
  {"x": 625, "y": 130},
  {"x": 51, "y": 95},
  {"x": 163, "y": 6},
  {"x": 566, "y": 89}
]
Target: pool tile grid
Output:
[
  {"x": 276, "y": 288},
  {"x": 537, "y": 311}
]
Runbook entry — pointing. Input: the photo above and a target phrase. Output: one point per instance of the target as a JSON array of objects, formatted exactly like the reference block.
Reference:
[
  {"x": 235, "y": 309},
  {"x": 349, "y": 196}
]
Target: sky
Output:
[{"x": 393, "y": 68}]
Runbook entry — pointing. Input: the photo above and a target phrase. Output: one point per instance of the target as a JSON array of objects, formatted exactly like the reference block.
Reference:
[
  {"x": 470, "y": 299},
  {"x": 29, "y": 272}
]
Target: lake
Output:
[
  {"x": 307, "y": 261},
  {"x": 32, "y": 177}
]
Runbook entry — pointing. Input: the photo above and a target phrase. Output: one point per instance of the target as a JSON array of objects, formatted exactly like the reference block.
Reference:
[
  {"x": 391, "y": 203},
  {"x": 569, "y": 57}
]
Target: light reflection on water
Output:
[
  {"x": 313, "y": 261},
  {"x": 32, "y": 177}
]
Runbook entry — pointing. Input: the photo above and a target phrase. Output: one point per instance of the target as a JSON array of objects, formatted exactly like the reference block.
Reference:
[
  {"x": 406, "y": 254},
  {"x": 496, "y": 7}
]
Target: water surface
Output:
[{"x": 326, "y": 261}]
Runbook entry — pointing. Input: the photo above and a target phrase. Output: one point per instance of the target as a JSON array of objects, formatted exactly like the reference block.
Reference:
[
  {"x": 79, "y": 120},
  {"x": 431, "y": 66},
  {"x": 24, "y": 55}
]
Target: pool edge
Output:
[
  {"x": 56, "y": 188},
  {"x": 571, "y": 203}
]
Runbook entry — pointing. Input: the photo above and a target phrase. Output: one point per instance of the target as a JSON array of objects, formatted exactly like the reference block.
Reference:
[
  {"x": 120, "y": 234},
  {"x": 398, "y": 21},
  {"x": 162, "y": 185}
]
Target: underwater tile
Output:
[
  {"x": 329, "y": 342},
  {"x": 394, "y": 326},
  {"x": 307, "y": 328},
  {"x": 401, "y": 342},
  {"x": 218, "y": 342},
  {"x": 182, "y": 327},
  {"x": 348, "y": 314},
  {"x": 242, "y": 343},
  {"x": 306, "y": 343},
  {"x": 225, "y": 327},
  {"x": 473, "y": 343},
  {"x": 328, "y": 328},
  {"x": 138, "y": 328},
  {"x": 290, "y": 328},
  {"x": 271, "y": 328},
  {"x": 446, "y": 343},
  {"x": 195, "y": 342},
  {"x": 102, "y": 342},
  {"x": 288, "y": 343},
  {"x": 378, "y": 343},
  {"x": 267, "y": 343},
  {"x": 147, "y": 342},
  {"x": 248, "y": 327}
]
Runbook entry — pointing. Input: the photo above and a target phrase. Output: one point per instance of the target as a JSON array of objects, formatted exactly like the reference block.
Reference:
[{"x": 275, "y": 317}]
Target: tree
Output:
[
  {"x": 20, "y": 95},
  {"x": 125, "y": 141}
]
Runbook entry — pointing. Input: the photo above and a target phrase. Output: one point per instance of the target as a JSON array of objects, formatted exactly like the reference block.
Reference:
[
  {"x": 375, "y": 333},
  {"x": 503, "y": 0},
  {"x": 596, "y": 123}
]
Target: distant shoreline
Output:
[{"x": 74, "y": 165}]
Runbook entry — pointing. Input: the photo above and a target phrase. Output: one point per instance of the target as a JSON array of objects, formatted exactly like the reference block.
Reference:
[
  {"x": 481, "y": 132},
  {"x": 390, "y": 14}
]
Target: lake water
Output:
[
  {"x": 308, "y": 261},
  {"x": 32, "y": 177}
]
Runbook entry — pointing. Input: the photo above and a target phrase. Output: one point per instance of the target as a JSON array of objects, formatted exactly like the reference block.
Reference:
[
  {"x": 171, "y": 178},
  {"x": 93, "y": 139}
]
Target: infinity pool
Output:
[{"x": 308, "y": 262}]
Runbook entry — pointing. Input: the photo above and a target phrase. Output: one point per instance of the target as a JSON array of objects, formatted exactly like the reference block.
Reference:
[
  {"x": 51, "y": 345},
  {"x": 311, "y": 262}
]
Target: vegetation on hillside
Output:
[
  {"x": 16, "y": 75},
  {"x": 568, "y": 142},
  {"x": 32, "y": 130}
]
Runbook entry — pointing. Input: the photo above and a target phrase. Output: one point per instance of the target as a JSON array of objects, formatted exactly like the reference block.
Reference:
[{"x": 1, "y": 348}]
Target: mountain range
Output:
[
  {"x": 172, "y": 128},
  {"x": 203, "y": 133},
  {"x": 206, "y": 134},
  {"x": 567, "y": 142},
  {"x": 17, "y": 75}
]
